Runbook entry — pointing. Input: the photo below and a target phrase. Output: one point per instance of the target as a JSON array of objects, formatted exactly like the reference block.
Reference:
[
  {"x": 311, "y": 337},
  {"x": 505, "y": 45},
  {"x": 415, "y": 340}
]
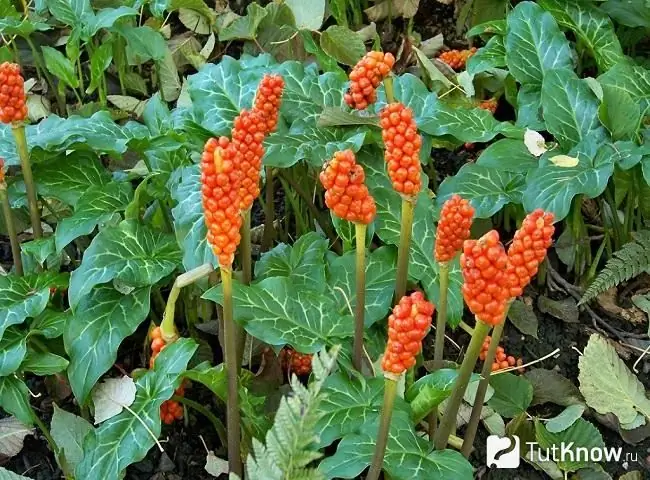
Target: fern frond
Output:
[
  {"x": 630, "y": 261},
  {"x": 290, "y": 443}
]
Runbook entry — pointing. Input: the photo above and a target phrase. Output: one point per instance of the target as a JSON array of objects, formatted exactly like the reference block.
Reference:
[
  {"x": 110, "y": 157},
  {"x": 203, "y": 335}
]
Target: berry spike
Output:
[
  {"x": 407, "y": 327},
  {"x": 13, "y": 106},
  {"x": 456, "y": 59},
  {"x": 220, "y": 192},
  {"x": 528, "y": 249},
  {"x": 453, "y": 228},
  {"x": 346, "y": 193},
  {"x": 490, "y": 105},
  {"x": 485, "y": 286},
  {"x": 268, "y": 100},
  {"x": 246, "y": 146},
  {"x": 365, "y": 78},
  {"x": 402, "y": 148}
]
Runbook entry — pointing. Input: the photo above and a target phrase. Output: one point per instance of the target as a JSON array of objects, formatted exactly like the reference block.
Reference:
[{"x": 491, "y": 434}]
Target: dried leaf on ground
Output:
[
  {"x": 12, "y": 436},
  {"x": 111, "y": 396}
]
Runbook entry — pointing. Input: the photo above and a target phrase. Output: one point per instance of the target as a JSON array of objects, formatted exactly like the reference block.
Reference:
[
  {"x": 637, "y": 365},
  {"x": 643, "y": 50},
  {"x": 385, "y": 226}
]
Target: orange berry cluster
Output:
[
  {"x": 220, "y": 180},
  {"x": 407, "y": 327},
  {"x": 453, "y": 228},
  {"x": 485, "y": 287},
  {"x": 346, "y": 193},
  {"x": 248, "y": 134},
  {"x": 13, "y": 107},
  {"x": 366, "y": 76},
  {"x": 268, "y": 100},
  {"x": 402, "y": 143},
  {"x": 157, "y": 345},
  {"x": 456, "y": 59},
  {"x": 490, "y": 105},
  {"x": 528, "y": 249},
  {"x": 171, "y": 410},
  {"x": 501, "y": 360},
  {"x": 295, "y": 362}
]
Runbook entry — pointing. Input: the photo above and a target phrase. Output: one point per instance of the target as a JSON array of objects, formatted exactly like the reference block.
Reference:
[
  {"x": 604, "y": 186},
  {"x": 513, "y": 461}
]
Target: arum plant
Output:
[
  {"x": 347, "y": 195},
  {"x": 453, "y": 229},
  {"x": 13, "y": 110},
  {"x": 525, "y": 255},
  {"x": 9, "y": 221},
  {"x": 486, "y": 293},
  {"x": 407, "y": 327}
]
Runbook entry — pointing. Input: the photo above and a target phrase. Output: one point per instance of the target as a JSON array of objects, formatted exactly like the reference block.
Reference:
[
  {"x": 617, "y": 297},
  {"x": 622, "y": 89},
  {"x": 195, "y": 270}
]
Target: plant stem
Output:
[
  {"x": 475, "y": 417},
  {"x": 167, "y": 326},
  {"x": 388, "y": 87},
  {"x": 216, "y": 423},
  {"x": 404, "y": 247},
  {"x": 21, "y": 145},
  {"x": 269, "y": 212},
  {"x": 390, "y": 392},
  {"x": 232, "y": 408},
  {"x": 45, "y": 431},
  {"x": 80, "y": 74},
  {"x": 11, "y": 230},
  {"x": 360, "y": 307},
  {"x": 467, "y": 367},
  {"x": 441, "y": 323}
]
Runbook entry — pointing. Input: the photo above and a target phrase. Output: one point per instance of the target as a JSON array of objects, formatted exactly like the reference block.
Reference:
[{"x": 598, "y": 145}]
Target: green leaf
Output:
[
  {"x": 170, "y": 82},
  {"x": 144, "y": 42},
  {"x": 69, "y": 431},
  {"x": 189, "y": 223},
  {"x": 529, "y": 112},
  {"x": 380, "y": 282},
  {"x": 59, "y": 66},
  {"x": 534, "y": 44},
  {"x": 278, "y": 313},
  {"x": 9, "y": 475},
  {"x": 512, "y": 394},
  {"x": 488, "y": 189},
  {"x": 100, "y": 60},
  {"x": 494, "y": 27},
  {"x": 69, "y": 11},
  {"x": 350, "y": 404},
  {"x": 552, "y": 188},
  {"x": 43, "y": 363},
  {"x": 96, "y": 206},
  {"x": 104, "y": 18},
  {"x": 508, "y": 155},
  {"x": 130, "y": 253},
  {"x": 38, "y": 250},
  {"x": 50, "y": 323},
  {"x": 22, "y": 27},
  {"x": 581, "y": 434},
  {"x": 570, "y": 109},
  {"x": 303, "y": 263},
  {"x": 492, "y": 55},
  {"x": 430, "y": 391},
  {"x": 632, "y": 79},
  {"x": 550, "y": 386},
  {"x": 306, "y": 141},
  {"x": 101, "y": 321},
  {"x": 631, "y": 13},
  {"x": 407, "y": 457},
  {"x": 23, "y": 297},
  {"x": 342, "y": 44},
  {"x": 608, "y": 385},
  {"x": 592, "y": 27},
  {"x": 619, "y": 112},
  {"x": 244, "y": 28},
  {"x": 308, "y": 15},
  {"x": 14, "y": 399},
  {"x": 436, "y": 77},
  {"x": 123, "y": 439},
  {"x": 565, "y": 419},
  {"x": 13, "y": 348},
  {"x": 68, "y": 177},
  {"x": 523, "y": 317}
]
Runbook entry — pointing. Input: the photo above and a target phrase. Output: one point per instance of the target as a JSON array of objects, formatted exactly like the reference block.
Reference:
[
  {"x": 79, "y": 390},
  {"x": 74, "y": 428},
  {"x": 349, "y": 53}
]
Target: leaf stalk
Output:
[
  {"x": 441, "y": 323},
  {"x": 360, "y": 307},
  {"x": 18, "y": 130},
  {"x": 408, "y": 205},
  {"x": 390, "y": 392},
  {"x": 11, "y": 230}
]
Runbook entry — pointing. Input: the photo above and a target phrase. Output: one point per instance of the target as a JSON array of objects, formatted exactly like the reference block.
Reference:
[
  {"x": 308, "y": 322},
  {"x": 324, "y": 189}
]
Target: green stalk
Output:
[
  {"x": 233, "y": 419},
  {"x": 475, "y": 417},
  {"x": 18, "y": 130},
  {"x": 11, "y": 229},
  {"x": 359, "y": 310},
  {"x": 390, "y": 392},
  {"x": 80, "y": 74},
  {"x": 464, "y": 374},
  {"x": 388, "y": 87},
  {"x": 404, "y": 247},
  {"x": 269, "y": 212},
  {"x": 441, "y": 324}
]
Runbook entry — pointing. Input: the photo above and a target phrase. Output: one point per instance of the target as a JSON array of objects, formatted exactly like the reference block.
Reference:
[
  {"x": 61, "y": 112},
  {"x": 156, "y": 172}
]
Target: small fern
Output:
[
  {"x": 290, "y": 443},
  {"x": 631, "y": 260}
]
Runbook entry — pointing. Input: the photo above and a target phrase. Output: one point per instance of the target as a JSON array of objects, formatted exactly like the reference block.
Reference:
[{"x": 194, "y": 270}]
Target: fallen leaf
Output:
[
  {"x": 535, "y": 143},
  {"x": 565, "y": 309},
  {"x": 215, "y": 466},
  {"x": 564, "y": 161},
  {"x": 607, "y": 301},
  {"x": 12, "y": 436},
  {"x": 111, "y": 396},
  {"x": 523, "y": 317}
]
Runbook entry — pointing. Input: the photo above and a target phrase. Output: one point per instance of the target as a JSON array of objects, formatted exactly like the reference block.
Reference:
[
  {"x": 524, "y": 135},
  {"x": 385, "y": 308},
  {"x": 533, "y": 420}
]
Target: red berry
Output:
[
  {"x": 268, "y": 100},
  {"x": 453, "y": 228},
  {"x": 295, "y": 362},
  {"x": 456, "y": 59},
  {"x": 490, "y": 105},
  {"x": 13, "y": 107},
  {"x": 366, "y": 76}
]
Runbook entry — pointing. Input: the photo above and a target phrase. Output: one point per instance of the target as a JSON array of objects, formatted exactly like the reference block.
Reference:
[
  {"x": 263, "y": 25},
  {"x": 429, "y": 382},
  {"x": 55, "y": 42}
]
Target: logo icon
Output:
[{"x": 503, "y": 452}]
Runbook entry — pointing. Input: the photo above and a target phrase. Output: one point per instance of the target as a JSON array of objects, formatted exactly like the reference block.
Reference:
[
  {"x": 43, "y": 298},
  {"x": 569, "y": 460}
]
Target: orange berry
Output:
[
  {"x": 453, "y": 228},
  {"x": 511, "y": 360},
  {"x": 490, "y": 105},
  {"x": 365, "y": 77},
  {"x": 346, "y": 193},
  {"x": 456, "y": 59},
  {"x": 155, "y": 333},
  {"x": 13, "y": 106},
  {"x": 407, "y": 327},
  {"x": 295, "y": 362},
  {"x": 268, "y": 100},
  {"x": 503, "y": 364},
  {"x": 157, "y": 344}
]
